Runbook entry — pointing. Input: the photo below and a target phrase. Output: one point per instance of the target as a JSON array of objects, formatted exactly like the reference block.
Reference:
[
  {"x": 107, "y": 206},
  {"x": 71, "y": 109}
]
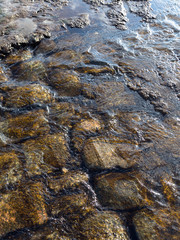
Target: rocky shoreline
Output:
[{"x": 82, "y": 156}]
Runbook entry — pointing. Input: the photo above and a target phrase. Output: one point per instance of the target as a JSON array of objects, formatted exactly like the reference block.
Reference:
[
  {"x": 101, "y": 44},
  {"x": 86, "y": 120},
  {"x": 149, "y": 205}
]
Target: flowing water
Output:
[{"x": 90, "y": 119}]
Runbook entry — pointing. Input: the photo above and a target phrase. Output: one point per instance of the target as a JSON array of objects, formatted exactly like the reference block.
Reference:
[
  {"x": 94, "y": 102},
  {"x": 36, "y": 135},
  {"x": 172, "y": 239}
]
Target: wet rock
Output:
[
  {"x": 30, "y": 71},
  {"x": 117, "y": 15},
  {"x": 83, "y": 129},
  {"x": 78, "y": 22},
  {"x": 11, "y": 169},
  {"x": 113, "y": 94},
  {"x": 101, "y": 153},
  {"x": 46, "y": 46},
  {"x": 24, "y": 207},
  {"x": 120, "y": 191},
  {"x": 3, "y": 77},
  {"x": 70, "y": 179},
  {"x": 46, "y": 154},
  {"x": 73, "y": 208},
  {"x": 62, "y": 112},
  {"x": 95, "y": 71},
  {"x": 18, "y": 56},
  {"x": 95, "y": 3},
  {"x": 104, "y": 225},
  {"x": 27, "y": 125},
  {"x": 65, "y": 82},
  {"x": 65, "y": 59},
  {"x": 142, "y": 8},
  {"x": 27, "y": 95},
  {"x": 155, "y": 224}
]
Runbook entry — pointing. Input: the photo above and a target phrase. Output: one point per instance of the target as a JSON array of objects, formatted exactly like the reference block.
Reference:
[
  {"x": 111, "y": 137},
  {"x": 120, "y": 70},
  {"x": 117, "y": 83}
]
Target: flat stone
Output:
[
  {"x": 32, "y": 70},
  {"x": 62, "y": 112},
  {"x": 73, "y": 208},
  {"x": 65, "y": 82},
  {"x": 157, "y": 224},
  {"x": 70, "y": 179},
  {"x": 120, "y": 191},
  {"x": 24, "y": 207},
  {"x": 46, "y": 154},
  {"x": 3, "y": 77},
  {"x": 27, "y": 95},
  {"x": 11, "y": 169},
  {"x": 104, "y": 225},
  {"x": 101, "y": 153},
  {"x": 31, "y": 124},
  {"x": 18, "y": 56}
]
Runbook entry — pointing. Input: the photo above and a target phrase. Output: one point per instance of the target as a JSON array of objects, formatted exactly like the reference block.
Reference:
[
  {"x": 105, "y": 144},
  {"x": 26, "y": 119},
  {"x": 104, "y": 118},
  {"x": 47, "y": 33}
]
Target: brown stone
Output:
[
  {"x": 62, "y": 112},
  {"x": 101, "y": 153},
  {"x": 95, "y": 71},
  {"x": 72, "y": 180},
  {"x": 157, "y": 224},
  {"x": 27, "y": 95},
  {"x": 18, "y": 56},
  {"x": 3, "y": 77},
  {"x": 11, "y": 169},
  {"x": 121, "y": 191},
  {"x": 27, "y": 125},
  {"x": 73, "y": 208},
  {"x": 65, "y": 82},
  {"x": 104, "y": 225},
  {"x": 45, "y": 154},
  {"x": 33, "y": 70},
  {"x": 24, "y": 207}
]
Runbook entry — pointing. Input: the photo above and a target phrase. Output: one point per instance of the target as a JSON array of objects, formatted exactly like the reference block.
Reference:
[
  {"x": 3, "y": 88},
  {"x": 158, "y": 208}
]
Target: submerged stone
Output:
[
  {"x": 104, "y": 225},
  {"x": 11, "y": 169},
  {"x": 27, "y": 95},
  {"x": 18, "y": 56},
  {"x": 65, "y": 82},
  {"x": 30, "y": 124},
  {"x": 62, "y": 112},
  {"x": 157, "y": 224},
  {"x": 70, "y": 179},
  {"x": 74, "y": 208},
  {"x": 80, "y": 21},
  {"x": 33, "y": 70},
  {"x": 120, "y": 191},
  {"x": 95, "y": 71},
  {"x": 24, "y": 207},
  {"x": 46, "y": 154},
  {"x": 101, "y": 153},
  {"x": 3, "y": 77}
]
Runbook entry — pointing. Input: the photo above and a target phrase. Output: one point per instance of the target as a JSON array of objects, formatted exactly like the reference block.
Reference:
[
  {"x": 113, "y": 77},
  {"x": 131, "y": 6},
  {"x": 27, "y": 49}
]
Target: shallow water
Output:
[{"x": 101, "y": 83}]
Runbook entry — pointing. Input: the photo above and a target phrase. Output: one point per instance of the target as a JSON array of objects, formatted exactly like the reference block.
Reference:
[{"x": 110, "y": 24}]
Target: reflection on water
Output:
[{"x": 89, "y": 125}]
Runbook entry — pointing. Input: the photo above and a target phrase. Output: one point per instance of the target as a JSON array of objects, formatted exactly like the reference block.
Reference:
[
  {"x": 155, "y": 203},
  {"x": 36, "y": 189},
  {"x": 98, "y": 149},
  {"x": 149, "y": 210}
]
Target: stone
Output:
[
  {"x": 46, "y": 154},
  {"x": 84, "y": 128},
  {"x": 24, "y": 207},
  {"x": 68, "y": 180},
  {"x": 46, "y": 46},
  {"x": 27, "y": 95},
  {"x": 95, "y": 71},
  {"x": 157, "y": 224},
  {"x": 11, "y": 169},
  {"x": 104, "y": 225},
  {"x": 3, "y": 77},
  {"x": 73, "y": 208},
  {"x": 65, "y": 82},
  {"x": 18, "y": 56},
  {"x": 62, "y": 112},
  {"x": 31, "y": 124},
  {"x": 81, "y": 21},
  {"x": 32, "y": 70},
  {"x": 102, "y": 153},
  {"x": 121, "y": 191}
]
